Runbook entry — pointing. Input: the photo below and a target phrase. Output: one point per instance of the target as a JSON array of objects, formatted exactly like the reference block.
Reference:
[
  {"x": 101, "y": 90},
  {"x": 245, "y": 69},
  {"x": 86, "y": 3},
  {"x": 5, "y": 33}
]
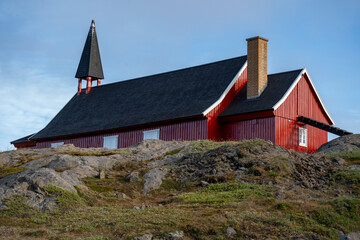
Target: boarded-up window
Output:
[
  {"x": 151, "y": 134},
  {"x": 111, "y": 142},
  {"x": 57, "y": 144}
]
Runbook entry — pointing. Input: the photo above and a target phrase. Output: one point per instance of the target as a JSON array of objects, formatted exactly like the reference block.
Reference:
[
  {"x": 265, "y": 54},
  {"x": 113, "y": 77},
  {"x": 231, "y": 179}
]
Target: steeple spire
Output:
[{"x": 90, "y": 68}]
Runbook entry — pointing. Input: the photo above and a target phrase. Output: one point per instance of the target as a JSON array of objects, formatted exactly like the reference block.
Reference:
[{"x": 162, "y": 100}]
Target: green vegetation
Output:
[
  {"x": 4, "y": 172},
  {"x": 204, "y": 214},
  {"x": 98, "y": 152},
  {"x": 227, "y": 192},
  {"x": 346, "y": 177},
  {"x": 175, "y": 151},
  {"x": 64, "y": 199},
  {"x": 352, "y": 157}
]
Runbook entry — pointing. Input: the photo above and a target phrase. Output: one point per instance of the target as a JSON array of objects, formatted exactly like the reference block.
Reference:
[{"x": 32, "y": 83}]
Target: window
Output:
[
  {"x": 111, "y": 142},
  {"x": 303, "y": 137},
  {"x": 151, "y": 134},
  {"x": 57, "y": 144}
]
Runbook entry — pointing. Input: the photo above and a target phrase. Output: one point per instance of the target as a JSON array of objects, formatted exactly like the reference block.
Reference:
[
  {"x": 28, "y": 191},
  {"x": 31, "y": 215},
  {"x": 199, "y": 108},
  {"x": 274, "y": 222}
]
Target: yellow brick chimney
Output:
[{"x": 256, "y": 66}]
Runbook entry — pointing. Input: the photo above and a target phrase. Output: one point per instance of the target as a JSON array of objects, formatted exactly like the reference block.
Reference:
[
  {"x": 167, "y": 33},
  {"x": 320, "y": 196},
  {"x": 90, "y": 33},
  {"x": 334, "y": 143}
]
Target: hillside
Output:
[{"x": 179, "y": 190}]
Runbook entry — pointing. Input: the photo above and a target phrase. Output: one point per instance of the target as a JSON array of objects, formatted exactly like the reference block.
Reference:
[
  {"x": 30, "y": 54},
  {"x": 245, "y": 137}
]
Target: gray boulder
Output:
[
  {"x": 144, "y": 237},
  {"x": 132, "y": 177},
  {"x": 153, "y": 179},
  {"x": 351, "y": 236}
]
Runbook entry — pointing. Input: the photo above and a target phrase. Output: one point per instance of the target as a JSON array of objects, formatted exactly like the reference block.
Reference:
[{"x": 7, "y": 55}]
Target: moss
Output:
[
  {"x": 4, "y": 172},
  {"x": 227, "y": 192},
  {"x": 99, "y": 152},
  {"x": 339, "y": 213},
  {"x": 128, "y": 166},
  {"x": 175, "y": 151},
  {"x": 64, "y": 199},
  {"x": 352, "y": 157},
  {"x": 204, "y": 145},
  {"x": 18, "y": 207},
  {"x": 283, "y": 205},
  {"x": 346, "y": 177}
]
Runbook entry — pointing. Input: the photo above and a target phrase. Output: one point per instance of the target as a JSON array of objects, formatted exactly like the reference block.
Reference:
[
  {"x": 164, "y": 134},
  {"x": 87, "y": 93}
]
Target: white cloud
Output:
[{"x": 29, "y": 102}]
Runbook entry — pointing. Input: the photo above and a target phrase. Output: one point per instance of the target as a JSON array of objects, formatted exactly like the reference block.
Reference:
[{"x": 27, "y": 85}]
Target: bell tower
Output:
[{"x": 90, "y": 68}]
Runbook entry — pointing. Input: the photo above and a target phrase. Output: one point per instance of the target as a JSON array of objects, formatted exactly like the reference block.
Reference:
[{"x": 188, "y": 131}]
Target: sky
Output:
[{"x": 42, "y": 41}]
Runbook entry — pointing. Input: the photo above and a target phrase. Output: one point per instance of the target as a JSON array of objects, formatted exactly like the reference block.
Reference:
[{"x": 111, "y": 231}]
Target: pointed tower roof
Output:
[{"x": 90, "y": 62}]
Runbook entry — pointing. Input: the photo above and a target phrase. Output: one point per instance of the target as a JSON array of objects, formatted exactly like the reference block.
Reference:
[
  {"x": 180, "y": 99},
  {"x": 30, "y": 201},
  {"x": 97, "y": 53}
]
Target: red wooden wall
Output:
[
  {"x": 300, "y": 102},
  {"x": 214, "y": 125},
  {"x": 263, "y": 128},
  {"x": 185, "y": 130}
]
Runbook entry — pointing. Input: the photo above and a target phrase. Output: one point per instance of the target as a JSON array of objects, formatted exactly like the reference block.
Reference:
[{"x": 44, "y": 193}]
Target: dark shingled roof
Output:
[
  {"x": 172, "y": 95},
  {"x": 90, "y": 62},
  {"x": 23, "y": 139},
  {"x": 277, "y": 86}
]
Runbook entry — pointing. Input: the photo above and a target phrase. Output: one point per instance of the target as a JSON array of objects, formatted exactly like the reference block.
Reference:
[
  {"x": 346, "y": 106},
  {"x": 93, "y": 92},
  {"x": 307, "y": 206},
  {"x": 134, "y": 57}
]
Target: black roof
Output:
[
  {"x": 172, "y": 95},
  {"x": 277, "y": 86},
  {"x": 90, "y": 62},
  {"x": 23, "y": 139}
]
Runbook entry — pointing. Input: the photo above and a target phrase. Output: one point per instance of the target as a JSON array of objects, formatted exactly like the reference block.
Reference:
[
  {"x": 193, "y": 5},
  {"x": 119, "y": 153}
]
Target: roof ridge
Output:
[
  {"x": 181, "y": 69},
  {"x": 300, "y": 69}
]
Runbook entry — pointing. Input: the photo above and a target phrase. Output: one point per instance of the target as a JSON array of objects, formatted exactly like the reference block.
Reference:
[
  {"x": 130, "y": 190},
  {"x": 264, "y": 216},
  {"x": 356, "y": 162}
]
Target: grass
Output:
[
  {"x": 227, "y": 192},
  {"x": 98, "y": 152},
  {"x": 64, "y": 199},
  {"x": 175, "y": 151},
  {"x": 4, "y": 172},
  {"x": 349, "y": 177},
  {"x": 352, "y": 157},
  {"x": 249, "y": 208}
]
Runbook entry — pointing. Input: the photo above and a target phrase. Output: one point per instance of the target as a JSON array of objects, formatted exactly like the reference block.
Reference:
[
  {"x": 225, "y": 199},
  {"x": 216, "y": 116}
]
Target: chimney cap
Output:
[{"x": 257, "y": 37}]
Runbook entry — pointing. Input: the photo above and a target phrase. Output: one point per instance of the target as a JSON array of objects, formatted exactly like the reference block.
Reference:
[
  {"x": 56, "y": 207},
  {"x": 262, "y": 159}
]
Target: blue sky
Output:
[{"x": 41, "y": 44}]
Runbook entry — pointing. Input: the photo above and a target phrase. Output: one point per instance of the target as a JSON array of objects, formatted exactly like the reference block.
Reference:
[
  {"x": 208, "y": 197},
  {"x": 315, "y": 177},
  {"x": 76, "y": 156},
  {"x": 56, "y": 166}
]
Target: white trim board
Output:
[
  {"x": 226, "y": 90},
  {"x": 304, "y": 71}
]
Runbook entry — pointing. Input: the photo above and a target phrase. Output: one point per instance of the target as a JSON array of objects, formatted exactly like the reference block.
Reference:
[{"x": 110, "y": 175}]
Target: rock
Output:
[
  {"x": 144, "y": 237},
  {"x": 351, "y": 236},
  {"x": 339, "y": 161},
  {"x": 102, "y": 174},
  {"x": 230, "y": 232},
  {"x": 175, "y": 235},
  {"x": 153, "y": 179},
  {"x": 354, "y": 167},
  {"x": 204, "y": 183},
  {"x": 132, "y": 177},
  {"x": 341, "y": 144},
  {"x": 122, "y": 196},
  {"x": 135, "y": 208},
  {"x": 278, "y": 195}
]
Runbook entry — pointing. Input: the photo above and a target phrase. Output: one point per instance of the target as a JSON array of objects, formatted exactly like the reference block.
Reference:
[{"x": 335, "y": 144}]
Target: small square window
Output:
[
  {"x": 152, "y": 134},
  {"x": 57, "y": 144},
  {"x": 111, "y": 142},
  {"x": 303, "y": 137}
]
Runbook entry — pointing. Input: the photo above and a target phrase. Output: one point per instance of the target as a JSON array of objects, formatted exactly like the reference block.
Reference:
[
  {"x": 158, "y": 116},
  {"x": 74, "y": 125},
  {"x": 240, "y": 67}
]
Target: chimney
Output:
[{"x": 257, "y": 66}]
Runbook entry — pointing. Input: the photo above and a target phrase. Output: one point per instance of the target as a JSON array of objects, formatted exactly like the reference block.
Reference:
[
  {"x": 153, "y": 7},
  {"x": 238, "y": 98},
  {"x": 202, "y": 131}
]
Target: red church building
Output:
[{"x": 233, "y": 99}]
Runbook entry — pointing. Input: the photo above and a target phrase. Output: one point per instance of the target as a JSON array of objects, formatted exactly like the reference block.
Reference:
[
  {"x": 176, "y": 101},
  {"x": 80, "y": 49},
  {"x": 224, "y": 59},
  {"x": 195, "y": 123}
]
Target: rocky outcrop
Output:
[
  {"x": 342, "y": 144},
  {"x": 153, "y": 179},
  {"x": 248, "y": 161},
  {"x": 351, "y": 236}
]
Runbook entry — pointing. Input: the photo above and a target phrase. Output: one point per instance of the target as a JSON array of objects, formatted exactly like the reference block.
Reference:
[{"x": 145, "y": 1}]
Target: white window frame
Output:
[
  {"x": 111, "y": 142},
  {"x": 151, "y": 134},
  {"x": 55, "y": 144},
  {"x": 302, "y": 137}
]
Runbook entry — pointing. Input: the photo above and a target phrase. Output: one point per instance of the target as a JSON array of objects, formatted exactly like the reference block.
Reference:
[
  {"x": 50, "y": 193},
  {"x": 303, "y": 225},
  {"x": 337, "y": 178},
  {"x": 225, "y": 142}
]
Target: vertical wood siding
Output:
[
  {"x": 300, "y": 102},
  {"x": 185, "y": 131},
  {"x": 263, "y": 128},
  {"x": 214, "y": 126}
]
